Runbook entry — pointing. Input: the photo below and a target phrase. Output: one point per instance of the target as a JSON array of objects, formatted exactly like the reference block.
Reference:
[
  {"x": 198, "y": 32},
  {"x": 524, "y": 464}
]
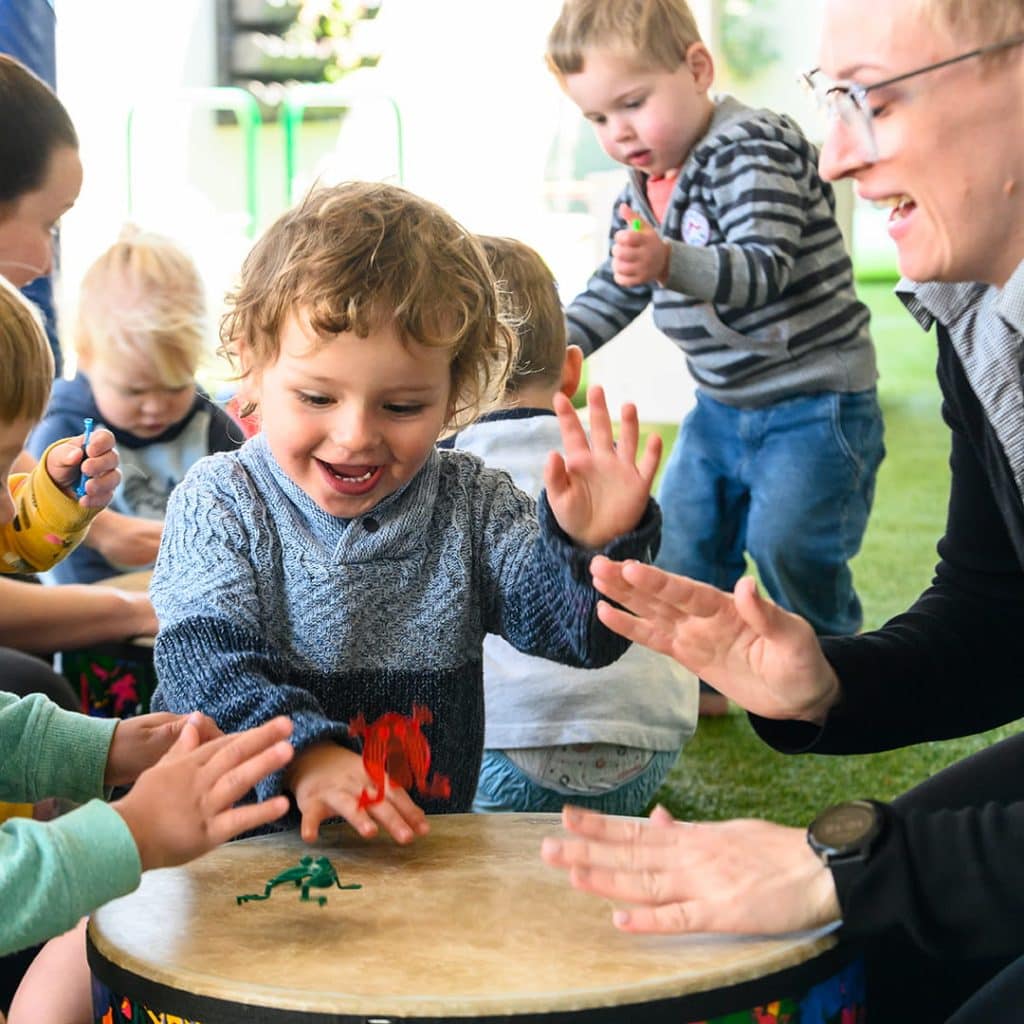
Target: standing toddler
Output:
[{"x": 726, "y": 228}]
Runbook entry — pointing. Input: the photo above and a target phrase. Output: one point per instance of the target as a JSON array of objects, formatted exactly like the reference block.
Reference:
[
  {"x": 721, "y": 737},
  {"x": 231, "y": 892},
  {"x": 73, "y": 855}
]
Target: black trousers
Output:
[
  {"x": 906, "y": 985},
  {"x": 24, "y": 674}
]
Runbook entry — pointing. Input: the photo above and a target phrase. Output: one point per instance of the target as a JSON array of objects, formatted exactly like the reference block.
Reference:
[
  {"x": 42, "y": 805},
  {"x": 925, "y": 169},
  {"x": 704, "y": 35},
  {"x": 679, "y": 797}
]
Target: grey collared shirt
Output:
[{"x": 985, "y": 325}]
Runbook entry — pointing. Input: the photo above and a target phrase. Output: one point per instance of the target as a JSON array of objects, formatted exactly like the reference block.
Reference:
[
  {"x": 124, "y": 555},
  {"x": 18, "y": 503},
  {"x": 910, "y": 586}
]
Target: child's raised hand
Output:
[
  {"x": 328, "y": 780},
  {"x": 183, "y": 806},
  {"x": 638, "y": 256},
  {"x": 140, "y": 742},
  {"x": 66, "y": 462},
  {"x": 597, "y": 490}
]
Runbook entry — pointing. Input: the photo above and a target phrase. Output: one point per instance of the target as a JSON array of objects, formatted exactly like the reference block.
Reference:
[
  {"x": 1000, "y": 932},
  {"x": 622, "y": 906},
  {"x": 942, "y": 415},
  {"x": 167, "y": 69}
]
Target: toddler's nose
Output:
[{"x": 354, "y": 430}]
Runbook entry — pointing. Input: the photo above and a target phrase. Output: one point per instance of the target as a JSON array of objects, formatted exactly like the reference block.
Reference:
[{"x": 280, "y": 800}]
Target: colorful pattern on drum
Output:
[
  {"x": 112, "y": 681},
  {"x": 837, "y": 1000}
]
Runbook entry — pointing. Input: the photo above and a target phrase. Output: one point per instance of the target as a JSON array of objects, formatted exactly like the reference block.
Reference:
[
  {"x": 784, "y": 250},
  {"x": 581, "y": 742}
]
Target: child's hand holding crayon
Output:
[
  {"x": 96, "y": 458},
  {"x": 639, "y": 254},
  {"x": 597, "y": 490}
]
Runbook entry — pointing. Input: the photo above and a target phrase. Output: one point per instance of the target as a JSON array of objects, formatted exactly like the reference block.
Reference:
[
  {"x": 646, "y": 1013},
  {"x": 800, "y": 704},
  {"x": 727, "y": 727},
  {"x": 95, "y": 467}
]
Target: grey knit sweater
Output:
[
  {"x": 760, "y": 291},
  {"x": 268, "y": 605}
]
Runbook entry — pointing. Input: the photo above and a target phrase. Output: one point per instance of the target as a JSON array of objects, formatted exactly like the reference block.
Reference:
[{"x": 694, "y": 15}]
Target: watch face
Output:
[
  {"x": 845, "y": 830},
  {"x": 846, "y": 824}
]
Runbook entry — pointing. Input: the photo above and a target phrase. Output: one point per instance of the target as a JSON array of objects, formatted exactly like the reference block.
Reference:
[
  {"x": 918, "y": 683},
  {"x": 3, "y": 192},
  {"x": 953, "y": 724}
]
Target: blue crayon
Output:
[{"x": 80, "y": 487}]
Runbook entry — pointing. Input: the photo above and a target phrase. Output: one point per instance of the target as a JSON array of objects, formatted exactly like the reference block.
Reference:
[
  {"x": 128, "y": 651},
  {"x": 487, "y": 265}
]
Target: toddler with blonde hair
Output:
[{"x": 140, "y": 337}]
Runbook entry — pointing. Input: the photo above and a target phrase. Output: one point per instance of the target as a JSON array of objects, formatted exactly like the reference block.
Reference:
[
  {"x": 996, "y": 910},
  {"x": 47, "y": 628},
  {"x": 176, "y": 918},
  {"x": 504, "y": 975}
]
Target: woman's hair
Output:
[
  {"x": 144, "y": 295},
  {"x": 360, "y": 257},
  {"x": 33, "y": 123},
  {"x": 657, "y": 32},
  {"x": 25, "y": 356},
  {"x": 532, "y": 296},
  {"x": 975, "y": 22}
]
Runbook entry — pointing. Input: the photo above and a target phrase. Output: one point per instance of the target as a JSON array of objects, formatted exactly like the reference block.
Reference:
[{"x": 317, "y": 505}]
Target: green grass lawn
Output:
[{"x": 726, "y": 771}]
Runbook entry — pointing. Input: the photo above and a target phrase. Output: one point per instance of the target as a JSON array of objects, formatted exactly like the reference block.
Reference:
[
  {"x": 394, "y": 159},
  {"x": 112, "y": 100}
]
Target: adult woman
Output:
[
  {"x": 928, "y": 99},
  {"x": 40, "y": 177}
]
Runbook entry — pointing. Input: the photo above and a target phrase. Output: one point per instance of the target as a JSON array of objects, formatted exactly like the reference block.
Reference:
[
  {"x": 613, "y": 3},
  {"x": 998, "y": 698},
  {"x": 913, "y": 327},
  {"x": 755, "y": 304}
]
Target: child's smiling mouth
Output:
[{"x": 353, "y": 480}]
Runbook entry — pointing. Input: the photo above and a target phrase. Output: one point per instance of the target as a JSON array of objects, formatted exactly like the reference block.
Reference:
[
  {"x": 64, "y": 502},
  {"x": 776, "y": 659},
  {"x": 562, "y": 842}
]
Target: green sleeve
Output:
[
  {"x": 53, "y": 873},
  {"x": 50, "y": 752}
]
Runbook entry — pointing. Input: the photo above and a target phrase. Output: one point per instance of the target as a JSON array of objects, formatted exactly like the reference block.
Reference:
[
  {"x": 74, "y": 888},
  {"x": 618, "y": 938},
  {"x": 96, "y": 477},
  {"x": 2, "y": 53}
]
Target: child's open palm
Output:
[{"x": 597, "y": 490}]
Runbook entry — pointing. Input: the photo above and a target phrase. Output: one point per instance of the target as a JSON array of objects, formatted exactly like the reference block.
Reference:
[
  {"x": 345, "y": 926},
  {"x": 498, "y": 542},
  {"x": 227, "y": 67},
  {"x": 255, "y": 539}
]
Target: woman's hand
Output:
[
  {"x": 766, "y": 659},
  {"x": 747, "y": 877}
]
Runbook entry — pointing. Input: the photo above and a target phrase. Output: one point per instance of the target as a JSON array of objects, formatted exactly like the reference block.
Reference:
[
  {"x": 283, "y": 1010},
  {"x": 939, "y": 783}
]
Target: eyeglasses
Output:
[{"x": 848, "y": 101}]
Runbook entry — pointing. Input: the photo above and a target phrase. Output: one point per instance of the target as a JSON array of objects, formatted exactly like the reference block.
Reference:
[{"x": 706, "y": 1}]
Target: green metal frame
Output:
[
  {"x": 338, "y": 95},
  {"x": 247, "y": 111}
]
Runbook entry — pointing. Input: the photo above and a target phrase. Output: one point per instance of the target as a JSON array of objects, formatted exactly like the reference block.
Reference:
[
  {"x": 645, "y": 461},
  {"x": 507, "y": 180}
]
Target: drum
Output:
[
  {"x": 115, "y": 679},
  {"x": 466, "y": 923}
]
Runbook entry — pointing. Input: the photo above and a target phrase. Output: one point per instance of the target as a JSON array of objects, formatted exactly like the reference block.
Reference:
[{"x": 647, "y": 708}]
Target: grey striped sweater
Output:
[
  {"x": 760, "y": 293},
  {"x": 268, "y": 605}
]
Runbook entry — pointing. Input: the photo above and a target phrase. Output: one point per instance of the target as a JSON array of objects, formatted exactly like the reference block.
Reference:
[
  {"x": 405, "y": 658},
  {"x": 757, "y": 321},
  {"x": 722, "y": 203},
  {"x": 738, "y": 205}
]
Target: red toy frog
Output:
[{"x": 396, "y": 751}]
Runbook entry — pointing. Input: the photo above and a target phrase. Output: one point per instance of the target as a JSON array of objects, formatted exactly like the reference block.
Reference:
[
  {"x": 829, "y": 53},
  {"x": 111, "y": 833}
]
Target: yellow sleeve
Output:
[{"x": 48, "y": 524}]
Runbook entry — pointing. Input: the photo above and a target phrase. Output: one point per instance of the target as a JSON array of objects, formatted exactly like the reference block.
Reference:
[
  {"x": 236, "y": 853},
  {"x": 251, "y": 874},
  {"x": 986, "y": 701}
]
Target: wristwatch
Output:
[{"x": 846, "y": 833}]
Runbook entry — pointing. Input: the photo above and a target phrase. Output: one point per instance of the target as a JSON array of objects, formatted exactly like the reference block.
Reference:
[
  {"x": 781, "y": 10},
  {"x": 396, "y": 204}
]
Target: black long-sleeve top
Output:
[{"x": 949, "y": 666}]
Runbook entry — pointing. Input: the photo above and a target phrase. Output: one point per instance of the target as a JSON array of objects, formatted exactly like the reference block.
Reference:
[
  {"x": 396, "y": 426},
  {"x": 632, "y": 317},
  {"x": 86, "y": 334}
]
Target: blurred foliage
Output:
[
  {"x": 745, "y": 32},
  {"x": 330, "y": 28}
]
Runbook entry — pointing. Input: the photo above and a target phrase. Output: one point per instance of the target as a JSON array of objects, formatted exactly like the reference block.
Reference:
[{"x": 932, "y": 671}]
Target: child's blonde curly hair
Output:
[{"x": 363, "y": 256}]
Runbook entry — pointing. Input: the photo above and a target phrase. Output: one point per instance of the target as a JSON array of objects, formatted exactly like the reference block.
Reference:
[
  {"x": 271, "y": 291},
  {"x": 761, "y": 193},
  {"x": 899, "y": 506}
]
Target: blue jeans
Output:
[
  {"x": 504, "y": 787},
  {"x": 791, "y": 483}
]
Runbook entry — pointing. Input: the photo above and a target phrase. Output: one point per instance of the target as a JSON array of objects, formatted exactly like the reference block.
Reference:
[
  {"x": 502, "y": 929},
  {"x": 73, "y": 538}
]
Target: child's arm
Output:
[
  {"x": 124, "y": 540},
  {"x": 639, "y": 254},
  {"x": 50, "y": 519},
  {"x": 597, "y": 491},
  {"x": 184, "y": 805},
  {"x": 536, "y": 589},
  {"x": 328, "y": 780},
  {"x": 45, "y": 619},
  {"x": 53, "y": 873},
  {"x": 212, "y": 652},
  {"x": 605, "y": 307},
  {"x": 766, "y": 198}
]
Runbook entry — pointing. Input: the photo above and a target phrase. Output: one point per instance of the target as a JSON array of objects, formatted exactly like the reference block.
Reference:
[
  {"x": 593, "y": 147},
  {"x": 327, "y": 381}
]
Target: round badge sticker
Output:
[{"x": 696, "y": 229}]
